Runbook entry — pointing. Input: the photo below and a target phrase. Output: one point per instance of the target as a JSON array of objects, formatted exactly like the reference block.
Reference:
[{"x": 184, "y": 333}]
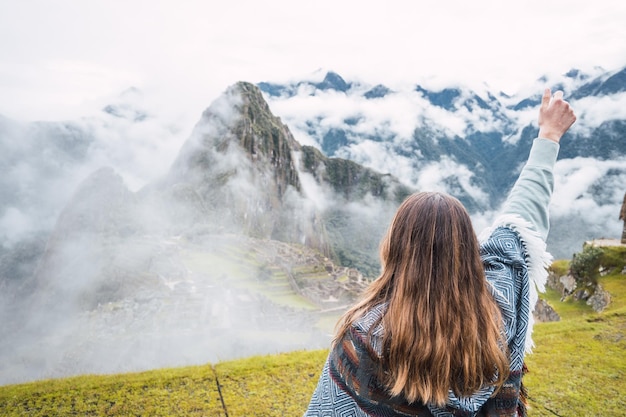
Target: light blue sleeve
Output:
[{"x": 530, "y": 196}]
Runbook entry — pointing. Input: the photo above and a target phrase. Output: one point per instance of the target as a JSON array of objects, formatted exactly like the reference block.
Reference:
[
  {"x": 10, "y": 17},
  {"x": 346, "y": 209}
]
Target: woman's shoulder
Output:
[
  {"x": 371, "y": 320},
  {"x": 502, "y": 242},
  {"x": 504, "y": 233},
  {"x": 370, "y": 326}
]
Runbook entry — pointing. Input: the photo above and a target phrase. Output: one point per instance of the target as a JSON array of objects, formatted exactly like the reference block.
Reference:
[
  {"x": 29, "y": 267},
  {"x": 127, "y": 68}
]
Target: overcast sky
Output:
[{"x": 61, "y": 58}]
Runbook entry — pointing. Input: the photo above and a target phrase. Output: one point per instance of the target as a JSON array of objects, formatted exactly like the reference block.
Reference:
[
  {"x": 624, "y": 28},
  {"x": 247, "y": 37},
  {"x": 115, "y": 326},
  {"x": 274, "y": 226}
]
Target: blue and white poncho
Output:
[{"x": 514, "y": 255}]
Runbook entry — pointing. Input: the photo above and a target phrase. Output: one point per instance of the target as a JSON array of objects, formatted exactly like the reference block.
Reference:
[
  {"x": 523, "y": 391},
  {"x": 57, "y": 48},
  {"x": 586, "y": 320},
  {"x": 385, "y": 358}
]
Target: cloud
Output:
[
  {"x": 47, "y": 161},
  {"x": 66, "y": 56},
  {"x": 581, "y": 183},
  {"x": 15, "y": 225},
  {"x": 382, "y": 158},
  {"x": 587, "y": 198},
  {"x": 437, "y": 176},
  {"x": 593, "y": 111},
  {"x": 576, "y": 180},
  {"x": 312, "y": 114},
  {"x": 398, "y": 112},
  {"x": 321, "y": 198}
]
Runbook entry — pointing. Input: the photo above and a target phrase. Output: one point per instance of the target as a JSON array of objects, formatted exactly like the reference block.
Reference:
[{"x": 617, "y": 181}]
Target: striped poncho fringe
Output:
[{"x": 537, "y": 261}]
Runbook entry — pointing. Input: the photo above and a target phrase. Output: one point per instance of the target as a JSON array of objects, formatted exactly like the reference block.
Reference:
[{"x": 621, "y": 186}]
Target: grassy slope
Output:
[
  {"x": 578, "y": 369},
  {"x": 278, "y": 385}
]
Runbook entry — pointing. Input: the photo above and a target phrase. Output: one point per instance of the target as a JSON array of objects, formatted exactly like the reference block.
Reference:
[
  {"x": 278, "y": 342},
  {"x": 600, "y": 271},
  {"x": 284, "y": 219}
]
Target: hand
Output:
[{"x": 555, "y": 116}]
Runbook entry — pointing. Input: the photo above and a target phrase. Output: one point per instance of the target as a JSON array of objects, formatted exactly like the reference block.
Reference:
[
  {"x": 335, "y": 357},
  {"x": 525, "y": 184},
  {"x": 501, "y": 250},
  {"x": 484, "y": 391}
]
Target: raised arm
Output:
[{"x": 531, "y": 194}]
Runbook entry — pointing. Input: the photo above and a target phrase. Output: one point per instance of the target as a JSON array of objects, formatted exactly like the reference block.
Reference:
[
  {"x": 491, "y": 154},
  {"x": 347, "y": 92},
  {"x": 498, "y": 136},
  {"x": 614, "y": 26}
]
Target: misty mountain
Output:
[
  {"x": 241, "y": 172},
  {"x": 84, "y": 243},
  {"x": 605, "y": 85},
  {"x": 252, "y": 177},
  {"x": 242, "y": 202},
  {"x": 472, "y": 144}
]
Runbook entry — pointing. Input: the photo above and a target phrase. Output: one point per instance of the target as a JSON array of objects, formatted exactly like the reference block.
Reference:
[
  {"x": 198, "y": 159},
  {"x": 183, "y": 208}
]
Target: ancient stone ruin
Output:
[{"x": 622, "y": 216}]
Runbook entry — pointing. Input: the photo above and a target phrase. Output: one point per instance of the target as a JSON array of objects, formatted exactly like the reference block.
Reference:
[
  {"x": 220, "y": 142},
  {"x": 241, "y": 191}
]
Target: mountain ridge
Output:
[{"x": 472, "y": 144}]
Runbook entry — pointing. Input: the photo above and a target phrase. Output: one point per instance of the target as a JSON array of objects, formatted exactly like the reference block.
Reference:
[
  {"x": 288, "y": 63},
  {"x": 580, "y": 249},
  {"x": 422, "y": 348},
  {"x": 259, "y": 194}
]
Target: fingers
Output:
[{"x": 545, "y": 100}]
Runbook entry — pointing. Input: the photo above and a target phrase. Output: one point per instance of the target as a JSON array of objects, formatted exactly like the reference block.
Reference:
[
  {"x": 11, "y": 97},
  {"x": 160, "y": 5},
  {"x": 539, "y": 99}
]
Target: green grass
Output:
[
  {"x": 278, "y": 385},
  {"x": 578, "y": 368},
  {"x": 567, "y": 309},
  {"x": 272, "y": 385},
  {"x": 560, "y": 267},
  {"x": 167, "y": 392}
]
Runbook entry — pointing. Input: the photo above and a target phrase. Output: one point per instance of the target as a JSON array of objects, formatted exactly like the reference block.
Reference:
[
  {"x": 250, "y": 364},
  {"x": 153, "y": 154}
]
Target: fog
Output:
[
  {"x": 121, "y": 255},
  {"x": 44, "y": 162}
]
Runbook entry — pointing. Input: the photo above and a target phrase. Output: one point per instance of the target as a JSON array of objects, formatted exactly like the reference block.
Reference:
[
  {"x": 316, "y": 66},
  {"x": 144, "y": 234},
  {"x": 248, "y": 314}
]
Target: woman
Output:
[{"x": 444, "y": 329}]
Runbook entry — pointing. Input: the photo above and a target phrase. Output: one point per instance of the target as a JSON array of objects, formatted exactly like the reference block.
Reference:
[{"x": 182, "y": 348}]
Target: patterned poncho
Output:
[{"x": 514, "y": 258}]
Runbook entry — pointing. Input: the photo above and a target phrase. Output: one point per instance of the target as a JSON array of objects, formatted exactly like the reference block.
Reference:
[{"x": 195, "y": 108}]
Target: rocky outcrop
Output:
[
  {"x": 241, "y": 116},
  {"x": 622, "y": 216},
  {"x": 599, "y": 300},
  {"x": 351, "y": 180},
  {"x": 544, "y": 312},
  {"x": 563, "y": 284}
]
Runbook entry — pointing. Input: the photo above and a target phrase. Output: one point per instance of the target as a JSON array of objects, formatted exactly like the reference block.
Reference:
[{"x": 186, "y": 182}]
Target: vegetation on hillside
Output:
[
  {"x": 585, "y": 265},
  {"x": 578, "y": 368}
]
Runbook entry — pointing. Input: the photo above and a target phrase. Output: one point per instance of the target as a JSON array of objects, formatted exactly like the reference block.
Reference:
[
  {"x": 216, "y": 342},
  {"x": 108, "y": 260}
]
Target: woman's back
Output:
[{"x": 444, "y": 329}]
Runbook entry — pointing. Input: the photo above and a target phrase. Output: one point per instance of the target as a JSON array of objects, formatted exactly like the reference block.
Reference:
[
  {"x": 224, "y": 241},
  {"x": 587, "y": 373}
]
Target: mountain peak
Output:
[
  {"x": 333, "y": 81},
  {"x": 241, "y": 116},
  {"x": 128, "y": 105},
  {"x": 603, "y": 86},
  {"x": 239, "y": 161},
  {"x": 100, "y": 206}
]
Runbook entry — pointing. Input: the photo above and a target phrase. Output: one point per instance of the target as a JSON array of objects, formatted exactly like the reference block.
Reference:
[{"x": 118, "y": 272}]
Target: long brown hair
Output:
[{"x": 442, "y": 328}]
